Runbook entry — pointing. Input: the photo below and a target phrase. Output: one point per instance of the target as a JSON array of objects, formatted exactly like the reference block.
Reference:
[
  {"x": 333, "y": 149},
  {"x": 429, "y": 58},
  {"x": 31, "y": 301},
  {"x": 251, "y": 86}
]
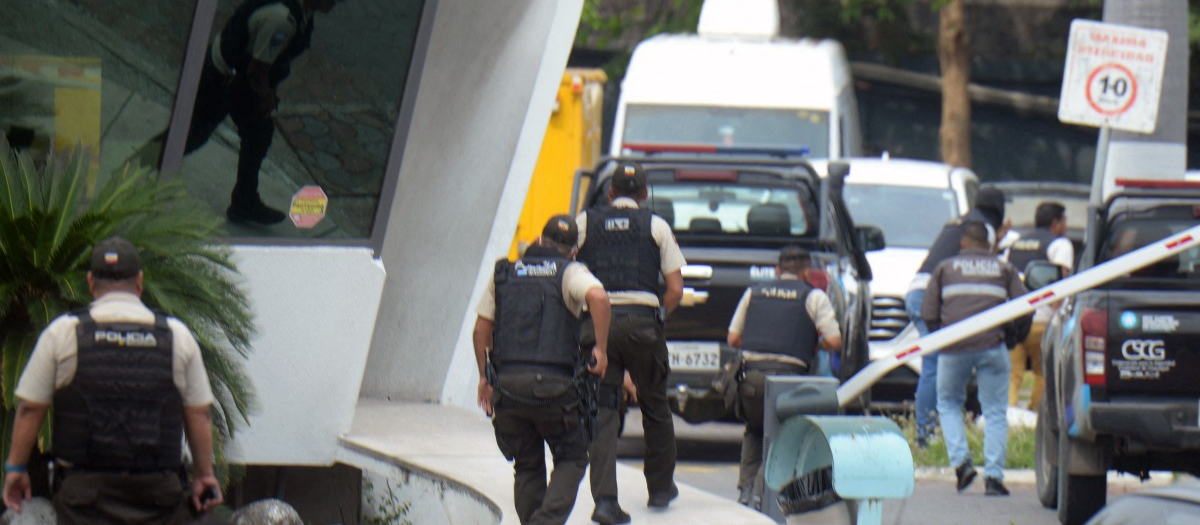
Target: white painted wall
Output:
[
  {"x": 484, "y": 100},
  {"x": 315, "y": 308}
]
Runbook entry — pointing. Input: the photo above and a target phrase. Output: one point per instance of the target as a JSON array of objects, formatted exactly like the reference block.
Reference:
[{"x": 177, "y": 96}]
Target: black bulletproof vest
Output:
[
  {"x": 122, "y": 411},
  {"x": 533, "y": 325},
  {"x": 620, "y": 250},
  {"x": 1031, "y": 247},
  {"x": 235, "y": 39},
  {"x": 946, "y": 245},
  {"x": 778, "y": 322}
]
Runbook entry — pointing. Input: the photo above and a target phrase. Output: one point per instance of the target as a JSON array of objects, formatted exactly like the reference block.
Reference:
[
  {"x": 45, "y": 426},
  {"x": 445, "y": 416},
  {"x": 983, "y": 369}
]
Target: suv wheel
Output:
[
  {"x": 1079, "y": 497},
  {"x": 1045, "y": 458}
]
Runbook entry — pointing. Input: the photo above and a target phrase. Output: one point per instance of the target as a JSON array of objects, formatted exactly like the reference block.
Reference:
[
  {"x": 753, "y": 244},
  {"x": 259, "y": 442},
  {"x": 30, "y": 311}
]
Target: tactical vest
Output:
[
  {"x": 235, "y": 39},
  {"x": 1032, "y": 246},
  {"x": 777, "y": 320},
  {"x": 620, "y": 250},
  {"x": 122, "y": 411},
  {"x": 946, "y": 245},
  {"x": 533, "y": 326}
]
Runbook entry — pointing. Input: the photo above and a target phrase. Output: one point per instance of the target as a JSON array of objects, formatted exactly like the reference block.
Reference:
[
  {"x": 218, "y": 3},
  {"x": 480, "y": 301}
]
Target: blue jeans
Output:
[
  {"x": 991, "y": 375},
  {"x": 926, "y": 402}
]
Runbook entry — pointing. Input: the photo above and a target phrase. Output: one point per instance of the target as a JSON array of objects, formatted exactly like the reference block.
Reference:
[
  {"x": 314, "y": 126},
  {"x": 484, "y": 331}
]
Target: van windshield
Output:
[
  {"x": 923, "y": 211},
  {"x": 788, "y": 129}
]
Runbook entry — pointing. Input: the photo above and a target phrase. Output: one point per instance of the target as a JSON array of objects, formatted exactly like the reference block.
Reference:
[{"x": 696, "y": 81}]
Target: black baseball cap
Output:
[
  {"x": 793, "y": 253},
  {"x": 115, "y": 259},
  {"x": 562, "y": 230},
  {"x": 628, "y": 176}
]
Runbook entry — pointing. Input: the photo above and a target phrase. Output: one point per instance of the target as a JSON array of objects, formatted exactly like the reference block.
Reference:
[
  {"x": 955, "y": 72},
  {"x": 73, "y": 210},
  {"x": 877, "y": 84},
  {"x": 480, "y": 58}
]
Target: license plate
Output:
[{"x": 694, "y": 356}]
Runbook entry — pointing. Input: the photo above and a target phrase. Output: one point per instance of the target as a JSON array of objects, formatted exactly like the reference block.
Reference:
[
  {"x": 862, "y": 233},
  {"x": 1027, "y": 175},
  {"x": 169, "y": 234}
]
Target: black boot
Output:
[
  {"x": 994, "y": 487},
  {"x": 608, "y": 512},
  {"x": 966, "y": 474}
]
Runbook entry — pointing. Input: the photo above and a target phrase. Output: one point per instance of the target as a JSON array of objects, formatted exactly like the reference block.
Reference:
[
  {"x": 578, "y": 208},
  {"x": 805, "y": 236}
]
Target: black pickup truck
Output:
[
  {"x": 731, "y": 216},
  {"x": 1122, "y": 360}
]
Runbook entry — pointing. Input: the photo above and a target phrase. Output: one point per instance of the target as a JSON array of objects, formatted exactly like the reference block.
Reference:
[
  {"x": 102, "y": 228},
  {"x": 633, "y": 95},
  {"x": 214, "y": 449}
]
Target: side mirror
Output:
[
  {"x": 870, "y": 238},
  {"x": 582, "y": 177},
  {"x": 1042, "y": 273},
  {"x": 838, "y": 169}
]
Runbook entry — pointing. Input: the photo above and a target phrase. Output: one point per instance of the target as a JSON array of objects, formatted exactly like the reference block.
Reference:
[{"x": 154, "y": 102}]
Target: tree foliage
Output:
[{"x": 51, "y": 217}]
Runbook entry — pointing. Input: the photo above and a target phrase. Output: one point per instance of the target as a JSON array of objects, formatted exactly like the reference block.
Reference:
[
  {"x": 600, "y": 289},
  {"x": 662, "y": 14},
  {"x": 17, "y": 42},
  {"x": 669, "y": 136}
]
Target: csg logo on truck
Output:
[{"x": 1144, "y": 350}]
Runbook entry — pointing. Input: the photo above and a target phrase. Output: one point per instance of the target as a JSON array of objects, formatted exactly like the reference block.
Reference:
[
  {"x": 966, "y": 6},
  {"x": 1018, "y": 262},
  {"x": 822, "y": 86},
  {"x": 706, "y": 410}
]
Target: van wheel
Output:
[
  {"x": 1079, "y": 497},
  {"x": 1045, "y": 458}
]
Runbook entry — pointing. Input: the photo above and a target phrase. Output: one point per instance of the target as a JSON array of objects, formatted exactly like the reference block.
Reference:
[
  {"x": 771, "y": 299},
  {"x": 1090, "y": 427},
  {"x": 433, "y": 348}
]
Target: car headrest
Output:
[
  {"x": 663, "y": 207},
  {"x": 768, "y": 219},
  {"x": 705, "y": 225}
]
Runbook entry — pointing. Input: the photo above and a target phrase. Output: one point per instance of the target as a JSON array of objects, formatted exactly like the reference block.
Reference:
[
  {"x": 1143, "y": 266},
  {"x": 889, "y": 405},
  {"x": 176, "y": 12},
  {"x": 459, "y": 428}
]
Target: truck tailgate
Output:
[{"x": 1153, "y": 342}]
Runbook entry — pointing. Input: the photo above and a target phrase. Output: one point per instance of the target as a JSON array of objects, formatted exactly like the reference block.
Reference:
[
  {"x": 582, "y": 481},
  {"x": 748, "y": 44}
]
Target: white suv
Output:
[{"x": 910, "y": 200}]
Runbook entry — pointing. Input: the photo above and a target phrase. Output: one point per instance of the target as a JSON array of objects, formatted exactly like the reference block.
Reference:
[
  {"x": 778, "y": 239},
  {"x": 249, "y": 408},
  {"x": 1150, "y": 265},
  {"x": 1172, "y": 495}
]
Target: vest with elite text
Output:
[
  {"x": 620, "y": 250},
  {"x": 777, "y": 320},
  {"x": 122, "y": 410},
  {"x": 235, "y": 39},
  {"x": 1032, "y": 246},
  {"x": 533, "y": 326}
]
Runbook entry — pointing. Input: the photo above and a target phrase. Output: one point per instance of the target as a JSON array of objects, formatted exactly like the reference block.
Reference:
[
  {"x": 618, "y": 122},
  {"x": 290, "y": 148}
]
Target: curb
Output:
[{"x": 1157, "y": 478}]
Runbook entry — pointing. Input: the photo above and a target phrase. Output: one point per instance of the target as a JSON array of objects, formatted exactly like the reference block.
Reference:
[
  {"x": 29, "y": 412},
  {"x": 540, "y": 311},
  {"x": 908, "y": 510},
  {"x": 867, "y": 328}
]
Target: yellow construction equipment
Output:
[{"x": 572, "y": 141}]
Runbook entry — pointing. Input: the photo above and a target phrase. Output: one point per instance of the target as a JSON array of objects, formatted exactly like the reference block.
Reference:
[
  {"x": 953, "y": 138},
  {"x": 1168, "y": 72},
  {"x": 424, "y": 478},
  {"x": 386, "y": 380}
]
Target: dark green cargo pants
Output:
[{"x": 541, "y": 409}]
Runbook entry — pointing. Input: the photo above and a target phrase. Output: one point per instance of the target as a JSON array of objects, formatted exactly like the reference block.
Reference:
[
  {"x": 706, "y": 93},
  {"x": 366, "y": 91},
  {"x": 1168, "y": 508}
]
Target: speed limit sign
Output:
[{"x": 1113, "y": 76}]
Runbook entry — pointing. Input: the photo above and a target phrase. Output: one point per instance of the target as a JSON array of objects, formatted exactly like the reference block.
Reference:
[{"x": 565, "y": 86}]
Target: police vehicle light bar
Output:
[
  {"x": 1159, "y": 184},
  {"x": 936, "y": 341},
  {"x": 712, "y": 148}
]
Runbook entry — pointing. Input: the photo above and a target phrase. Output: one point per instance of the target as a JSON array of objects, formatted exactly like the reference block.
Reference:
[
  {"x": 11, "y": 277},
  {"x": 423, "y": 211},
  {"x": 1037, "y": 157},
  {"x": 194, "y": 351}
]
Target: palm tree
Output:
[{"x": 49, "y": 222}]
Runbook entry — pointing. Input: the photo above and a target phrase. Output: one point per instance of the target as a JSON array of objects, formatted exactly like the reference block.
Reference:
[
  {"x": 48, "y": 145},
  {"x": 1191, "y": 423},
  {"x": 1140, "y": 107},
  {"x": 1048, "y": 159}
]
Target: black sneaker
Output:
[
  {"x": 744, "y": 495},
  {"x": 660, "y": 500},
  {"x": 994, "y": 487},
  {"x": 255, "y": 212},
  {"x": 609, "y": 512},
  {"x": 966, "y": 474}
]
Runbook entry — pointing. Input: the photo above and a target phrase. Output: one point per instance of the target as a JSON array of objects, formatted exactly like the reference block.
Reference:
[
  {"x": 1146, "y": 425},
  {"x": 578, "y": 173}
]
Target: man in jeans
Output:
[
  {"x": 989, "y": 209},
  {"x": 973, "y": 281}
]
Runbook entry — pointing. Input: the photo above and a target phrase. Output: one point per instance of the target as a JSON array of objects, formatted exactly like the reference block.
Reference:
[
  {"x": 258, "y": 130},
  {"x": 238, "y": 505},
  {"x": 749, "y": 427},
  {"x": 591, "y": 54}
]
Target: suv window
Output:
[
  {"x": 1134, "y": 233},
  {"x": 733, "y": 209},
  {"x": 879, "y": 205}
]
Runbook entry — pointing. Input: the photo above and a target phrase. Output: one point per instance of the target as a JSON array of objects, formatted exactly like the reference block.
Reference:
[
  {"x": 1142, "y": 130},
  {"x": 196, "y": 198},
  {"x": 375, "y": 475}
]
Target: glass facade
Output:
[{"x": 113, "y": 74}]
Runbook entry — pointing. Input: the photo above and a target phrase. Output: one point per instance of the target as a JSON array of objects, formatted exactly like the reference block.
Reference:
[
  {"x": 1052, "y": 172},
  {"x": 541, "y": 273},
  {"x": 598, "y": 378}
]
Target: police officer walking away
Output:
[
  {"x": 629, "y": 249},
  {"x": 961, "y": 286},
  {"x": 1047, "y": 242},
  {"x": 780, "y": 326},
  {"x": 989, "y": 209},
  {"x": 528, "y": 326},
  {"x": 125, "y": 382},
  {"x": 246, "y": 63}
]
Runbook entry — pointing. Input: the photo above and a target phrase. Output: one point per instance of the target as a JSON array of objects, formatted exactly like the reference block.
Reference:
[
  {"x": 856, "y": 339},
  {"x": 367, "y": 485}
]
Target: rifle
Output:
[{"x": 587, "y": 385}]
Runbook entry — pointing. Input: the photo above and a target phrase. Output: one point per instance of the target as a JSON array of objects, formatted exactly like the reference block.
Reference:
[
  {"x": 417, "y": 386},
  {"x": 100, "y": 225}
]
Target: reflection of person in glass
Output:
[{"x": 245, "y": 64}]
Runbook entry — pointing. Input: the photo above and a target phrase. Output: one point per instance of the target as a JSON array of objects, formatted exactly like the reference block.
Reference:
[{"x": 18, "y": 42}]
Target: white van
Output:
[{"x": 737, "y": 86}]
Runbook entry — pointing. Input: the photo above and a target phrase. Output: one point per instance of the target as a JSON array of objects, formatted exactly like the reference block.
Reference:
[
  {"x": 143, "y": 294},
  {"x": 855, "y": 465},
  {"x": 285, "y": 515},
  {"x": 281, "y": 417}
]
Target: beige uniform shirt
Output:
[
  {"x": 669, "y": 254},
  {"x": 819, "y": 309},
  {"x": 271, "y": 29},
  {"x": 52, "y": 365},
  {"x": 577, "y": 280}
]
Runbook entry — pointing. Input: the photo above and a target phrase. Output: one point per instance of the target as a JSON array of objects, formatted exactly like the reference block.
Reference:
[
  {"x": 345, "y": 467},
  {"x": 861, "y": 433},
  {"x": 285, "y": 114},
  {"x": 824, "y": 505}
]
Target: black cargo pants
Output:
[
  {"x": 543, "y": 408},
  {"x": 89, "y": 498},
  {"x": 636, "y": 343},
  {"x": 752, "y": 390}
]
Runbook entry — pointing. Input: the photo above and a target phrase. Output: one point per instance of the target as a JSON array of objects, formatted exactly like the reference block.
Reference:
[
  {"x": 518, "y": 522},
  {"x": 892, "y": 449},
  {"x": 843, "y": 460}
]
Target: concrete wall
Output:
[
  {"x": 315, "y": 308},
  {"x": 485, "y": 95}
]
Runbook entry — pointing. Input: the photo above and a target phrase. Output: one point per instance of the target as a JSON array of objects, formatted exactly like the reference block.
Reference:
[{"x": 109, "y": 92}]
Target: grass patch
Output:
[{"x": 1021, "y": 442}]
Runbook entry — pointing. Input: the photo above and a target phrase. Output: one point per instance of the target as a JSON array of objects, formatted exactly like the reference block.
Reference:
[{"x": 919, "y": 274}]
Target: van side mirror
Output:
[
  {"x": 1042, "y": 273},
  {"x": 838, "y": 169},
  {"x": 870, "y": 238},
  {"x": 578, "y": 188}
]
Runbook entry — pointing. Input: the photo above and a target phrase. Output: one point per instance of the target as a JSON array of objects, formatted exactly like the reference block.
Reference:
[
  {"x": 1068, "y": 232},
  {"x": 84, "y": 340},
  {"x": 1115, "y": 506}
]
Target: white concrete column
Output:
[{"x": 486, "y": 93}]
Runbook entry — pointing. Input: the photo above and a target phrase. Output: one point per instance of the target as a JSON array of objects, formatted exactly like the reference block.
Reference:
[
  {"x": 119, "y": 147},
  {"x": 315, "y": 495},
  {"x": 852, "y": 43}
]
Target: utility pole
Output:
[{"x": 1163, "y": 153}]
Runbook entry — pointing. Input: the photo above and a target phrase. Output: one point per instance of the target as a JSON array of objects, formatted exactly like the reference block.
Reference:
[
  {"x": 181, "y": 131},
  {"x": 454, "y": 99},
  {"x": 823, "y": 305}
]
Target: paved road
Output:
[{"x": 708, "y": 456}]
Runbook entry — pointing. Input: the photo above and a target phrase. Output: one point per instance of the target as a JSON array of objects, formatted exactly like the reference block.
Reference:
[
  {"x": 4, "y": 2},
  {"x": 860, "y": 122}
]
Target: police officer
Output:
[
  {"x": 1047, "y": 242},
  {"x": 528, "y": 325},
  {"x": 630, "y": 249},
  {"x": 125, "y": 383},
  {"x": 780, "y": 326},
  {"x": 245, "y": 65},
  {"x": 973, "y": 281},
  {"x": 988, "y": 209}
]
